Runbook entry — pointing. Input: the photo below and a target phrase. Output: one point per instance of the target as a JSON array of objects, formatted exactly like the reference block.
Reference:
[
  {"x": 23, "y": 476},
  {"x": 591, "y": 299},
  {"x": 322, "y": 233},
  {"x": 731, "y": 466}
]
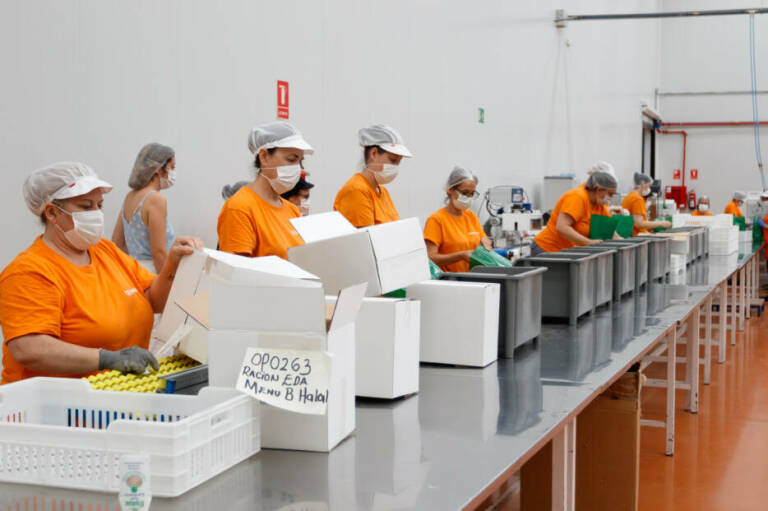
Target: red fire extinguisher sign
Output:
[
  {"x": 676, "y": 174},
  {"x": 694, "y": 173},
  {"x": 282, "y": 99}
]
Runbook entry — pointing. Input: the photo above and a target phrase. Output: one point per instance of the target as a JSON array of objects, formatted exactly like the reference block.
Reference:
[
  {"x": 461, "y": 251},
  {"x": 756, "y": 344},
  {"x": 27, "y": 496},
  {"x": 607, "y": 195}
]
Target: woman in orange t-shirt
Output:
[
  {"x": 702, "y": 208},
  {"x": 569, "y": 223},
  {"x": 73, "y": 303},
  {"x": 364, "y": 200},
  {"x": 255, "y": 221},
  {"x": 452, "y": 233},
  {"x": 734, "y": 207},
  {"x": 634, "y": 202}
]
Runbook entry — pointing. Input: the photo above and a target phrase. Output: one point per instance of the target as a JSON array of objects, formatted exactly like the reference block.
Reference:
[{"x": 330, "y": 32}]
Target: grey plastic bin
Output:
[
  {"x": 623, "y": 266},
  {"x": 641, "y": 257},
  {"x": 603, "y": 272},
  {"x": 569, "y": 285},
  {"x": 519, "y": 304},
  {"x": 698, "y": 241},
  {"x": 658, "y": 257}
]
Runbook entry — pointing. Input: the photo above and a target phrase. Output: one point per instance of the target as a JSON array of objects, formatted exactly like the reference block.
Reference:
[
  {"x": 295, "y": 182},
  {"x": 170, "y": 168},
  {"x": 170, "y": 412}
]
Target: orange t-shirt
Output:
[
  {"x": 454, "y": 234},
  {"x": 576, "y": 204},
  {"x": 359, "y": 202},
  {"x": 732, "y": 209},
  {"x": 635, "y": 204},
  {"x": 250, "y": 225},
  {"x": 101, "y": 305},
  {"x": 699, "y": 213}
]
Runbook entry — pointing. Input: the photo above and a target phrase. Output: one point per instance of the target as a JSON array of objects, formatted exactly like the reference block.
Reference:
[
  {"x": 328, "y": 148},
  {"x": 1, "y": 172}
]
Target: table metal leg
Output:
[
  {"x": 708, "y": 340},
  {"x": 564, "y": 468},
  {"x": 748, "y": 289},
  {"x": 742, "y": 298},
  {"x": 721, "y": 325},
  {"x": 692, "y": 363},
  {"x": 734, "y": 306},
  {"x": 671, "y": 371}
]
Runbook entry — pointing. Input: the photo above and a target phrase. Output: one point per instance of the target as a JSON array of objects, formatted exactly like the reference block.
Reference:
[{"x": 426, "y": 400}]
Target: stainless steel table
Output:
[{"x": 463, "y": 432}]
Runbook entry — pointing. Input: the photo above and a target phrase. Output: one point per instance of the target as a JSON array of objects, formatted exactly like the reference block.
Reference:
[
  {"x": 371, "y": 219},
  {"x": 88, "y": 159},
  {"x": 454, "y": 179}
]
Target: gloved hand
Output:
[{"x": 128, "y": 360}]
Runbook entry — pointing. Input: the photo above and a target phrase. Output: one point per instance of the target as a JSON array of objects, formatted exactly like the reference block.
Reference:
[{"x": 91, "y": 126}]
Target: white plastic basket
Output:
[{"x": 60, "y": 432}]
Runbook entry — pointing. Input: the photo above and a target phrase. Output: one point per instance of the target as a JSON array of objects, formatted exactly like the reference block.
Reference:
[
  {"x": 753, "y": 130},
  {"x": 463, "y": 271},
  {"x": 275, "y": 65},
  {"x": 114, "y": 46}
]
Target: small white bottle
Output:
[{"x": 135, "y": 493}]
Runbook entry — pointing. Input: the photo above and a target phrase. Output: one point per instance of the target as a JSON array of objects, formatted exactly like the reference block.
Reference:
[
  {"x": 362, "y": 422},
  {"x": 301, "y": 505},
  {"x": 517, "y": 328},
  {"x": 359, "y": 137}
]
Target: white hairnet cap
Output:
[
  {"x": 599, "y": 179},
  {"x": 640, "y": 179},
  {"x": 602, "y": 166},
  {"x": 385, "y": 137},
  {"x": 457, "y": 176},
  {"x": 277, "y": 134},
  {"x": 150, "y": 159},
  {"x": 739, "y": 195},
  {"x": 62, "y": 180}
]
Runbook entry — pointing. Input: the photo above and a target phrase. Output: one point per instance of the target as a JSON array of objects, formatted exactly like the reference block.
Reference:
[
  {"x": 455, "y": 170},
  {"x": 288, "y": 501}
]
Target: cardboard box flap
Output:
[
  {"x": 396, "y": 238},
  {"x": 197, "y": 306},
  {"x": 340, "y": 262},
  {"x": 403, "y": 270},
  {"x": 322, "y": 226},
  {"x": 267, "y": 308},
  {"x": 185, "y": 284},
  {"x": 347, "y": 306},
  {"x": 268, "y": 265}
]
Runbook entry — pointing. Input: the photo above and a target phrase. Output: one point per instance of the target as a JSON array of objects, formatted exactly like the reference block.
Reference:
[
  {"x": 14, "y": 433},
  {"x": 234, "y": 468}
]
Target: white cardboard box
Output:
[
  {"x": 387, "y": 256},
  {"x": 459, "y": 321},
  {"x": 270, "y": 303},
  {"x": 387, "y": 350}
]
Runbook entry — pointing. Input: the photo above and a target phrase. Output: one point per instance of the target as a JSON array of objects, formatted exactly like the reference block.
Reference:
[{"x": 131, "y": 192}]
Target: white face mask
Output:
[
  {"x": 387, "y": 174},
  {"x": 304, "y": 207},
  {"x": 703, "y": 208},
  {"x": 462, "y": 202},
  {"x": 167, "y": 182},
  {"x": 88, "y": 228},
  {"x": 287, "y": 177}
]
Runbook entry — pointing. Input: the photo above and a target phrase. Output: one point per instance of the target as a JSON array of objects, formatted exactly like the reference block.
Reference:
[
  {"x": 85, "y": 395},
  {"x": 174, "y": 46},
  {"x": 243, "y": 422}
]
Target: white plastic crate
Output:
[
  {"x": 60, "y": 432},
  {"x": 727, "y": 233},
  {"x": 723, "y": 247},
  {"x": 745, "y": 236},
  {"x": 680, "y": 220}
]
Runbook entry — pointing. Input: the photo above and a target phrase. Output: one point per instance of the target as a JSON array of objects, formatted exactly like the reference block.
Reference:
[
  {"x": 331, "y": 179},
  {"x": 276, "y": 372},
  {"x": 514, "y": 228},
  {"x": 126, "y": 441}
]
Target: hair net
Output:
[
  {"x": 640, "y": 179},
  {"x": 602, "y": 166},
  {"x": 277, "y": 134},
  {"x": 602, "y": 180},
  {"x": 61, "y": 180},
  {"x": 151, "y": 158},
  {"x": 386, "y": 137},
  {"x": 457, "y": 176},
  {"x": 739, "y": 195},
  {"x": 229, "y": 190}
]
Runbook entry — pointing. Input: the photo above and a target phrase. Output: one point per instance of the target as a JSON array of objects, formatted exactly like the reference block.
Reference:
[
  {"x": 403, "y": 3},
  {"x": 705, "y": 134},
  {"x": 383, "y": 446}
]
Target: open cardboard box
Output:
[
  {"x": 387, "y": 348},
  {"x": 236, "y": 303},
  {"x": 387, "y": 256}
]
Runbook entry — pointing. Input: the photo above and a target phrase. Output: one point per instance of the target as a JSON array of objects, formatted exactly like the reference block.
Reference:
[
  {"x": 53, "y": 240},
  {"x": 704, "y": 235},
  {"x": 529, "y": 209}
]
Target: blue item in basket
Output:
[{"x": 504, "y": 252}]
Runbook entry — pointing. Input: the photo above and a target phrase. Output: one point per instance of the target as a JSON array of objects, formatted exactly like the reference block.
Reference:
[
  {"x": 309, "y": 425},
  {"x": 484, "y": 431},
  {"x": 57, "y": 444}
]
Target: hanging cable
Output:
[{"x": 755, "y": 113}]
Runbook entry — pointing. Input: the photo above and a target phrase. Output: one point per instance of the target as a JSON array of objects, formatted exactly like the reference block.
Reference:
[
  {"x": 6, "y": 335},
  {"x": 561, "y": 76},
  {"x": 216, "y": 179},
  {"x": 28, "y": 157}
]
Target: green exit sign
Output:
[{"x": 481, "y": 115}]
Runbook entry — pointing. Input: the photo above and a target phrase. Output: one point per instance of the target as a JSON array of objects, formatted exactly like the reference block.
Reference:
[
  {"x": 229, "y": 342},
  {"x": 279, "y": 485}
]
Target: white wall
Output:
[
  {"x": 94, "y": 80},
  {"x": 712, "y": 54}
]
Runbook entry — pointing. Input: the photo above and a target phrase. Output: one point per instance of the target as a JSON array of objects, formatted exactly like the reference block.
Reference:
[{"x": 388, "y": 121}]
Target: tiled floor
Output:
[{"x": 721, "y": 453}]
